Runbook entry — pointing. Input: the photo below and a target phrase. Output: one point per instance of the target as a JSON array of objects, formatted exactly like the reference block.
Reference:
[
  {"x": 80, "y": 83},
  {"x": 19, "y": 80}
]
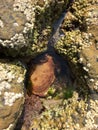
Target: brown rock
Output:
[
  {"x": 42, "y": 77},
  {"x": 13, "y": 22},
  {"x": 41, "y": 2},
  {"x": 90, "y": 54}
]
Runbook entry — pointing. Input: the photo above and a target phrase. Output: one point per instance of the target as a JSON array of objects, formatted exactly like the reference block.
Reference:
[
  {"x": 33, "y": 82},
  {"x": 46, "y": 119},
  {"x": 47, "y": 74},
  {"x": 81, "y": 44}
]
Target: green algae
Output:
[{"x": 62, "y": 93}]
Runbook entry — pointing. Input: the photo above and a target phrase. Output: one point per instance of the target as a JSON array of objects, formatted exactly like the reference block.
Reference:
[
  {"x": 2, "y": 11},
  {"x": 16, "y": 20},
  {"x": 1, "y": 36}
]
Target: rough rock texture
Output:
[
  {"x": 26, "y": 25},
  {"x": 80, "y": 42},
  {"x": 42, "y": 76},
  {"x": 12, "y": 22},
  {"x": 11, "y": 93},
  {"x": 90, "y": 54},
  {"x": 71, "y": 114}
]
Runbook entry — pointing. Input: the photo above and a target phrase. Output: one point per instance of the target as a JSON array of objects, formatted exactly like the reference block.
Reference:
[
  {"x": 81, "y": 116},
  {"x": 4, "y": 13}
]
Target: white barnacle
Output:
[
  {"x": 19, "y": 80},
  {"x": 96, "y": 83},
  {"x": 95, "y": 87},
  {"x": 8, "y": 86},
  {"x": 90, "y": 14},
  {"x": 90, "y": 34},
  {"x": 12, "y": 45},
  {"x": 15, "y": 24},
  {"x": 1, "y": 24},
  {"x": 10, "y": 76},
  {"x": 85, "y": 76},
  {"x": 1, "y": 68},
  {"x": 10, "y": 126},
  {"x": 90, "y": 43},
  {"x": 80, "y": 60},
  {"x": 91, "y": 80},
  {"x": 88, "y": 65},
  {"x": 11, "y": 97},
  {"x": 85, "y": 69},
  {"x": 4, "y": 85}
]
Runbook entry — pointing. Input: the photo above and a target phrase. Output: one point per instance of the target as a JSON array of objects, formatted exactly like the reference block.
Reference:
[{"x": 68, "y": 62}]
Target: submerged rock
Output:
[
  {"x": 42, "y": 76},
  {"x": 32, "y": 109},
  {"x": 11, "y": 93}
]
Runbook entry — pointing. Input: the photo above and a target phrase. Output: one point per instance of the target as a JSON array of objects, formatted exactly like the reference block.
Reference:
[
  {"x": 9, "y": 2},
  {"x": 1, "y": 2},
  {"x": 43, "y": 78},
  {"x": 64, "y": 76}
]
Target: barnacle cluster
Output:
[
  {"x": 75, "y": 32},
  {"x": 11, "y": 92},
  {"x": 38, "y": 19},
  {"x": 72, "y": 43},
  {"x": 76, "y": 38},
  {"x": 69, "y": 114},
  {"x": 7, "y": 89},
  {"x": 45, "y": 18}
]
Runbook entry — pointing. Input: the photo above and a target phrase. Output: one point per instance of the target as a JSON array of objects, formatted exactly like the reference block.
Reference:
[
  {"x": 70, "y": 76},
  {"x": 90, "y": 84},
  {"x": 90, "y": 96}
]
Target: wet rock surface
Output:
[
  {"x": 42, "y": 76},
  {"x": 32, "y": 109},
  {"x": 11, "y": 93}
]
